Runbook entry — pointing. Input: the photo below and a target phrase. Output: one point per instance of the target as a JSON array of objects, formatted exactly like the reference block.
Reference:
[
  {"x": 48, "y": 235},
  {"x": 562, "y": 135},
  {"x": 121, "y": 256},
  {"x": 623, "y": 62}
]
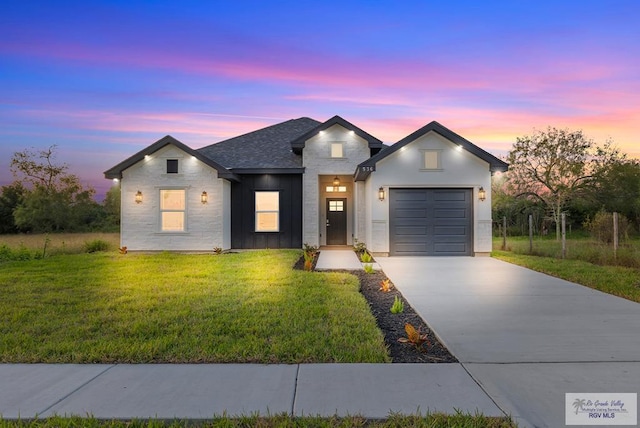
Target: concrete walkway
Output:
[
  {"x": 338, "y": 259},
  {"x": 526, "y": 337},
  {"x": 201, "y": 391}
]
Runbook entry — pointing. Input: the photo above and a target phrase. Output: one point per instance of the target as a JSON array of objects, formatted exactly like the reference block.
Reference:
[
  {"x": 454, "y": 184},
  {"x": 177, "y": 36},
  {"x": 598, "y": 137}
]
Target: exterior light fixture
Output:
[
  {"x": 336, "y": 184},
  {"x": 381, "y": 193},
  {"x": 482, "y": 194},
  {"x": 138, "y": 197},
  {"x": 204, "y": 198}
]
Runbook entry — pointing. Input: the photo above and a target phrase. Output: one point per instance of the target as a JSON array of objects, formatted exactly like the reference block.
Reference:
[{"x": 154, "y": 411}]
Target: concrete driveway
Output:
[{"x": 527, "y": 338}]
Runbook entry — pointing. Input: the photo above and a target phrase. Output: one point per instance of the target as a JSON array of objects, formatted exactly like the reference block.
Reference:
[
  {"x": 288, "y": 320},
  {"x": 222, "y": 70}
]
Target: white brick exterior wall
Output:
[
  {"x": 207, "y": 225},
  {"x": 317, "y": 160},
  {"x": 403, "y": 168}
]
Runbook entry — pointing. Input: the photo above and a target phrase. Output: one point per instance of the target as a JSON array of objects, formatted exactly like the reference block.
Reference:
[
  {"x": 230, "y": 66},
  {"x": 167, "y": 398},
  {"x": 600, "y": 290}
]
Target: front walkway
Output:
[
  {"x": 338, "y": 259},
  {"x": 525, "y": 337}
]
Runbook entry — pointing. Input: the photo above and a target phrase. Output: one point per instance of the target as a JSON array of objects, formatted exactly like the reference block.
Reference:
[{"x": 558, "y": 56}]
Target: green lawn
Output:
[
  {"x": 437, "y": 420},
  {"x": 616, "y": 280},
  {"x": 249, "y": 307}
]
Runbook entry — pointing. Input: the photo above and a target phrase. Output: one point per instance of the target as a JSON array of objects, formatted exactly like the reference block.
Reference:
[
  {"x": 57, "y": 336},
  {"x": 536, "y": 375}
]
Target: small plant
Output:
[
  {"x": 123, "y": 250},
  {"x": 397, "y": 307},
  {"x": 359, "y": 247},
  {"x": 309, "y": 253},
  {"x": 95, "y": 246},
  {"x": 385, "y": 285},
  {"x": 309, "y": 248},
  {"x": 414, "y": 336},
  {"x": 217, "y": 250},
  {"x": 366, "y": 257},
  {"x": 368, "y": 268}
]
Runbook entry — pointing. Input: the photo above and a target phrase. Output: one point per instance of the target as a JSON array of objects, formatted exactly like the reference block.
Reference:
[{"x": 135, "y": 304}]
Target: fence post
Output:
[
  {"x": 615, "y": 235},
  {"x": 564, "y": 235},
  {"x": 530, "y": 233},
  {"x": 504, "y": 233}
]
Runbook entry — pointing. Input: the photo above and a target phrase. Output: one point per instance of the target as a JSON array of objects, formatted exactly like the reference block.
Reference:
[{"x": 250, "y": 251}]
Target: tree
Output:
[
  {"x": 555, "y": 166},
  {"x": 10, "y": 197},
  {"x": 53, "y": 200},
  {"x": 618, "y": 189}
]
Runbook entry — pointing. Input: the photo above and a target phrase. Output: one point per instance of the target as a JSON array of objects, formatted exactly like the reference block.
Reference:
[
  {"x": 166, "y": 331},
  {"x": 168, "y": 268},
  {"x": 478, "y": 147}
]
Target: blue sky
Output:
[{"x": 102, "y": 80}]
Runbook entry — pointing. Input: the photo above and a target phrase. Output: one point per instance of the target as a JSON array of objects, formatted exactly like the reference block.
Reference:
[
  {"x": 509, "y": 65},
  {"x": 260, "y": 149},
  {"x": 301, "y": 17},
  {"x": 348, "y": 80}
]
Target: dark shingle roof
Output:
[{"x": 265, "y": 148}]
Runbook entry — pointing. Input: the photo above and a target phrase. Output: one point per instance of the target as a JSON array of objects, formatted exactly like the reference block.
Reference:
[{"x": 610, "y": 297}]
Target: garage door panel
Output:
[
  {"x": 431, "y": 222},
  {"x": 411, "y": 230}
]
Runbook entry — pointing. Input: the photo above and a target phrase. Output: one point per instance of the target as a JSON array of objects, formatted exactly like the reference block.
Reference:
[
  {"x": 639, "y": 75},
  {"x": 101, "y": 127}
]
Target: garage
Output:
[{"x": 430, "y": 222}]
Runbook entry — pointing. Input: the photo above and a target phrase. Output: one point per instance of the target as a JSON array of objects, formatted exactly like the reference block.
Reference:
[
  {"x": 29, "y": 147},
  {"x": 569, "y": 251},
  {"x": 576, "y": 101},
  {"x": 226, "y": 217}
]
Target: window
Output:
[
  {"x": 431, "y": 159},
  {"x": 331, "y": 189},
  {"x": 337, "y": 150},
  {"x": 172, "y": 166},
  {"x": 172, "y": 210},
  {"x": 267, "y": 211},
  {"x": 336, "y": 205}
]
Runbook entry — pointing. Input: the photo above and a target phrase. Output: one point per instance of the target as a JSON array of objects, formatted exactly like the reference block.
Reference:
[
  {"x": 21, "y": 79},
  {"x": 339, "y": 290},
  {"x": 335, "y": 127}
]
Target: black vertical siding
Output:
[{"x": 243, "y": 234}]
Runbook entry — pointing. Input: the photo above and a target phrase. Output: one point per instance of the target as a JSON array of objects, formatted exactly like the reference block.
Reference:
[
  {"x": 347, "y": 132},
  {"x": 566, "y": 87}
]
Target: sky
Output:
[{"x": 104, "y": 79}]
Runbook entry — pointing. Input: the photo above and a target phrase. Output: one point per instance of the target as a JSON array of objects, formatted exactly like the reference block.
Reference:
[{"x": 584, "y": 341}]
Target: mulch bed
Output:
[{"x": 392, "y": 325}]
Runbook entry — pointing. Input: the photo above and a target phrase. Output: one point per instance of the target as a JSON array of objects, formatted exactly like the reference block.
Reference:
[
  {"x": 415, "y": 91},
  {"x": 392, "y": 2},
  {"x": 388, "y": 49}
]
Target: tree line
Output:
[
  {"x": 558, "y": 171},
  {"x": 46, "y": 197}
]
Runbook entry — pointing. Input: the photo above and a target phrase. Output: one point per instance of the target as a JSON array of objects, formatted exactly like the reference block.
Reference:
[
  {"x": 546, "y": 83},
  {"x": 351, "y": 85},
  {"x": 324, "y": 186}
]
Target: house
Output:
[{"x": 304, "y": 181}]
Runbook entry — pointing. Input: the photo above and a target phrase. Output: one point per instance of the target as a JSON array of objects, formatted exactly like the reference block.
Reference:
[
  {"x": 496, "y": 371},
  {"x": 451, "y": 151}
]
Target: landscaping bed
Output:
[{"x": 393, "y": 325}]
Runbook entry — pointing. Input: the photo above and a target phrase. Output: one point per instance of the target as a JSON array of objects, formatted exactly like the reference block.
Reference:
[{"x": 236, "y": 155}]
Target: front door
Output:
[{"x": 337, "y": 221}]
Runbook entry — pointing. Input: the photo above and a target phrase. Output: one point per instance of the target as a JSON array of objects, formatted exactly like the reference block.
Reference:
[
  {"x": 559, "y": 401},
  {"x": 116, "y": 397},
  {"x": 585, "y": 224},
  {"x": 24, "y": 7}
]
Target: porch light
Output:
[
  {"x": 138, "y": 197},
  {"x": 204, "y": 198},
  {"x": 381, "y": 193},
  {"x": 482, "y": 195},
  {"x": 336, "y": 184}
]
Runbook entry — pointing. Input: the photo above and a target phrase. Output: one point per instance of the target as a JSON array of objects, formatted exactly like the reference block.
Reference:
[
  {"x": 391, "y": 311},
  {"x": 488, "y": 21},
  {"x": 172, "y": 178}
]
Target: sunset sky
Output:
[{"x": 102, "y": 80}]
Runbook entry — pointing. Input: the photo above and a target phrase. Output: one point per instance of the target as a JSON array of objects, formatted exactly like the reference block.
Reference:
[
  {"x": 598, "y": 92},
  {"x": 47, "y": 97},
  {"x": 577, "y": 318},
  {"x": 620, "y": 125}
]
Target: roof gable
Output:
[
  {"x": 116, "y": 171},
  {"x": 298, "y": 144},
  {"x": 365, "y": 168}
]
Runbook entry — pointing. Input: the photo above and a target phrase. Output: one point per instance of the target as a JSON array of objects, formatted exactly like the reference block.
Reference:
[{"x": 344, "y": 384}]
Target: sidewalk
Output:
[{"x": 201, "y": 391}]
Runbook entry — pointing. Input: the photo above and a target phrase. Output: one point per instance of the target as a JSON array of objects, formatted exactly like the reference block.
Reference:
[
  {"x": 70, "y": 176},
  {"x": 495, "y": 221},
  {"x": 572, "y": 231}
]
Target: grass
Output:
[
  {"x": 619, "y": 281},
  {"x": 56, "y": 243},
  {"x": 429, "y": 421},
  {"x": 585, "y": 249},
  {"x": 248, "y": 307}
]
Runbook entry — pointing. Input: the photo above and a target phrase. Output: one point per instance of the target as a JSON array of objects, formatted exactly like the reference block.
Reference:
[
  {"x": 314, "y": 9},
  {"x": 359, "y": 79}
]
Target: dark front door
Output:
[{"x": 337, "y": 221}]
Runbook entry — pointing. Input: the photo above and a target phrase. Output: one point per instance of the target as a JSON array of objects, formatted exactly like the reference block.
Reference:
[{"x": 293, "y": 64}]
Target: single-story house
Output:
[{"x": 320, "y": 183}]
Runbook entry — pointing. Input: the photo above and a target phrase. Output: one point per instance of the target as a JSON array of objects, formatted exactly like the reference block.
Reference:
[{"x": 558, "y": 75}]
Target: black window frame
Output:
[{"x": 172, "y": 166}]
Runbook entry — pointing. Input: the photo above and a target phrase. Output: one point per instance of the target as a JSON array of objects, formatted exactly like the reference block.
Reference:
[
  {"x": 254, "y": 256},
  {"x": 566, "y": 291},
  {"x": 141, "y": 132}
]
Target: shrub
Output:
[
  {"x": 359, "y": 247},
  {"x": 601, "y": 227},
  {"x": 366, "y": 257},
  {"x": 385, "y": 285},
  {"x": 368, "y": 268},
  {"x": 398, "y": 306},
  {"x": 95, "y": 246}
]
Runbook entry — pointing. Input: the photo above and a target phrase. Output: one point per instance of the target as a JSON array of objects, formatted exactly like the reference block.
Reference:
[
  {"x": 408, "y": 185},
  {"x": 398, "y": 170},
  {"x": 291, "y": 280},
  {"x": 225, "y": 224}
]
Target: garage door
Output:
[{"x": 431, "y": 222}]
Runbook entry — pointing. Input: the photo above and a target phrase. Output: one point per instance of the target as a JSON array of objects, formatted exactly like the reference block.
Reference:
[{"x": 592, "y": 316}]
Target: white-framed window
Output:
[
  {"x": 336, "y": 206},
  {"x": 331, "y": 189},
  {"x": 267, "y": 211},
  {"x": 172, "y": 210},
  {"x": 431, "y": 160},
  {"x": 337, "y": 150}
]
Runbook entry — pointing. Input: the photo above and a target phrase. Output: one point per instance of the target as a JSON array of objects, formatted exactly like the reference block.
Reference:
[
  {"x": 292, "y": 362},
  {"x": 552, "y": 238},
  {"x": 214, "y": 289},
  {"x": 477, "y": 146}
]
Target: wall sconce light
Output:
[
  {"x": 381, "y": 193},
  {"x": 482, "y": 194},
  {"x": 336, "y": 184},
  {"x": 138, "y": 197},
  {"x": 204, "y": 198}
]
